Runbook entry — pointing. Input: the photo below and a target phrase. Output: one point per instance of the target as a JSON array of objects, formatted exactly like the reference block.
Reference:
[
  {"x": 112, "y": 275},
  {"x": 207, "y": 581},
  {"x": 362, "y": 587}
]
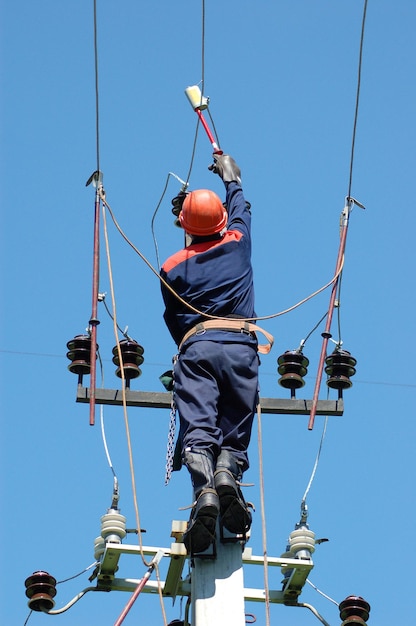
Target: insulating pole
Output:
[
  {"x": 142, "y": 583},
  {"x": 327, "y": 332},
  {"x": 208, "y": 132},
  {"x": 199, "y": 103},
  {"x": 96, "y": 178}
]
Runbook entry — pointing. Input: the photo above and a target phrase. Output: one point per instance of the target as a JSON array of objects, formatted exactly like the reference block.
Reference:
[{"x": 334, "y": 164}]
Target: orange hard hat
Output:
[{"x": 203, "y": 213}]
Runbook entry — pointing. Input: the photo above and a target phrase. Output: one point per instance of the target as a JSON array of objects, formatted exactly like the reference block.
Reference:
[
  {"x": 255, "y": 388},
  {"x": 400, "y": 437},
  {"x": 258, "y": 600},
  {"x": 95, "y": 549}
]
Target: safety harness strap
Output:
[{"x": 233, "y": 325}]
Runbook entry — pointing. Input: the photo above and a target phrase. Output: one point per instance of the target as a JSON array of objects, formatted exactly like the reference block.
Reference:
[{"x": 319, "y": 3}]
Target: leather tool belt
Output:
[{"x": 233, "y": 325}]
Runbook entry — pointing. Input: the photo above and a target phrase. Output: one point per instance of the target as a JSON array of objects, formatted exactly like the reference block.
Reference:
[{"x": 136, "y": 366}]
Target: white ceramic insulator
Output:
[
  {"x": 197, "y": 100},
  {"x": 99, "y": 547},
  {"x": 302, "y": 539},
  {"x": 113, "y": 527}
]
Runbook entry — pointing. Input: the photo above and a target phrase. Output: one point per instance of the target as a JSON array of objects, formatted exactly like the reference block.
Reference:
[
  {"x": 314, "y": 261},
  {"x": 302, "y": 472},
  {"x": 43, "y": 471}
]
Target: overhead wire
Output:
[
  {"x": 310, "y": 333},
  {"x": 28, "y": 617},
  {"x": 103, "y": 433},
  {"x": 124, "y": 332},
  {"x": 357, "y": 97},
  {"x": 65, "y": 580},
  {"x": 324, "y": 595},
  {"x": 202, "y": 82},
  {"x": 315, "y": 466},
  {"x": 107, "y": 453},
  {"x": 203, "y": 47},
  {"x": 354, "y": 133},
  {"x": 97, "y": 109},
  {"x": 60, "y": 356},
  {"x": 152, "y": 224}
]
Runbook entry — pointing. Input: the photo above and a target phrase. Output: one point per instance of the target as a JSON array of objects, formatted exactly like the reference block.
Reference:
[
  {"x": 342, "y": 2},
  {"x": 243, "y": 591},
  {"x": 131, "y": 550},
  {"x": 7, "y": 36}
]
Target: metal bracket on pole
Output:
[
  {"x": 175, "y": 586},
  {"x": 178, "y": 557}
]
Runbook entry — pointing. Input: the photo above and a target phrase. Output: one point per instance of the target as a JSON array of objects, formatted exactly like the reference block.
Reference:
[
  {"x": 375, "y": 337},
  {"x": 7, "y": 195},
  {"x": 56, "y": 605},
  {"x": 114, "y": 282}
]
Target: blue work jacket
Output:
[{"x": 215, "y": 276}]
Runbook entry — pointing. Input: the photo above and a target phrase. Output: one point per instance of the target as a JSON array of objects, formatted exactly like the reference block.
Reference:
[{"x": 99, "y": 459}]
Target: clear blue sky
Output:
[{"x": 282, "y": 80}]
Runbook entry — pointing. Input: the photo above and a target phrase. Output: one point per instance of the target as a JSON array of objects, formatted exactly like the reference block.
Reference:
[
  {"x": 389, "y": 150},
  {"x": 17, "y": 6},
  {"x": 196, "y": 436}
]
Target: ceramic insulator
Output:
[
  {"x": 302, "y": 539},
  {"x": 99, "y": 547},
  {"x": 113, "y": 526}
]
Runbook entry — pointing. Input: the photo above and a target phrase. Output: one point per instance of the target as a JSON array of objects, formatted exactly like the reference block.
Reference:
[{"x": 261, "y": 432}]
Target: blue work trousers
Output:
[{"x": 216, "y": 394}]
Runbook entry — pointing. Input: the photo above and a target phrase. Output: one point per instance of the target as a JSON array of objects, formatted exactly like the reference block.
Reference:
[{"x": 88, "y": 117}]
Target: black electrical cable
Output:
[
  {"x": 313, "y": 329},
  {"x": 357, "y": 99},
  {"x": 202, "y": 95},
  {"x": 202, "y": 90},
  {"x": 213, "y": 127},
  {"x": 193, "y": 153},
  {"x": 27, "y": 619},
  {"x": 354, "y": 132},
  {"x": 97, "y": 117},
  {"x": 65, "y": 580},
  {"x": 203, "y": 49},
  {"x": 123, "y": 332}
]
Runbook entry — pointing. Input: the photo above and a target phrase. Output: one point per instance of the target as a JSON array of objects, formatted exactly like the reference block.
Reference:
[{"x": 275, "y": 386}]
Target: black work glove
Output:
[
  {"x": 177, "y": 202},
  {"x": 226, "y": 168}
]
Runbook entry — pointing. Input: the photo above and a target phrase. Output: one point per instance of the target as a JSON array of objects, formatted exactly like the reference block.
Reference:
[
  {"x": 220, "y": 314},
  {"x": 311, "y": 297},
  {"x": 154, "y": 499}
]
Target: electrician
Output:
[{"x": 216, "y": 371}]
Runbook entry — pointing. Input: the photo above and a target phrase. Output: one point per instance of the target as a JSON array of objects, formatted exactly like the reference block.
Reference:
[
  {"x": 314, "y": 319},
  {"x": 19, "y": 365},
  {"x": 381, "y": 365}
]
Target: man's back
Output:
[{"x": 214, "y": 276}]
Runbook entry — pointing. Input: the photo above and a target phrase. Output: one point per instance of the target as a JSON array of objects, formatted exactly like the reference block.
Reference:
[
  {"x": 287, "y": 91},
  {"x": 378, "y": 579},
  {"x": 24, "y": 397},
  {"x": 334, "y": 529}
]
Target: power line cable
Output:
[
  {"x": 354, "y": 133},
  {"x": 303, "y": 342},
  {"x": 357, "y": 98},
  {"x": 191, "y": 164},
  {"x": 27, "y": 618},
  {"x": 149, "y": 363},
  {"x": 65, "y": 580},
  {"x": 97, "y": 116},
  {"x": 315, "y": 467},
  {"x": 203, "y": 49},
  {"x": 152, "y": 225},
  {"x": 321, "y": 592}
]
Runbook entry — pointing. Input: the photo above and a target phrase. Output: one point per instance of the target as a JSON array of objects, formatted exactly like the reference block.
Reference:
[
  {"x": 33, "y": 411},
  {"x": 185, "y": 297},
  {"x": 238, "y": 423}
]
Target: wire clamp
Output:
[
  {"x": 351, "y": 201},
  {"x": 96, "y": 179}
]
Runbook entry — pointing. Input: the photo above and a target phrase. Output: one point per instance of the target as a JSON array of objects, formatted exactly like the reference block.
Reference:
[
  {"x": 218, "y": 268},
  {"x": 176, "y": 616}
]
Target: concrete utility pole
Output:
[{"x": 217, "y": 588}]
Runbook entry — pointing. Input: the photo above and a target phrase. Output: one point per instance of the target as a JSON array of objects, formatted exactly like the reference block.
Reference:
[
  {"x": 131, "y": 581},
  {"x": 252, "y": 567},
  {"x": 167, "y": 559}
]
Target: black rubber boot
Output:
[
  {"x": 235, "y": 515},
  {"x": 201, "y": 527}
]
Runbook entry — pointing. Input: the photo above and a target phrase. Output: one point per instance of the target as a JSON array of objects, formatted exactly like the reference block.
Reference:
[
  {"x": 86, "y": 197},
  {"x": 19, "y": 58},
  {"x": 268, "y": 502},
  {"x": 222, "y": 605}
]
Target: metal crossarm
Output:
[{"x": 162, "y": 400}]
